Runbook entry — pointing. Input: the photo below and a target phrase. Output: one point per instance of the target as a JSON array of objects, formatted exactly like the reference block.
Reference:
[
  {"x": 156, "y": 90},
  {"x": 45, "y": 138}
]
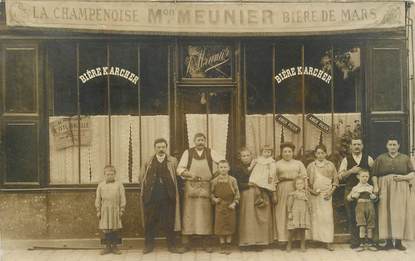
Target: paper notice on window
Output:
[{"x": 66, "y": 132}]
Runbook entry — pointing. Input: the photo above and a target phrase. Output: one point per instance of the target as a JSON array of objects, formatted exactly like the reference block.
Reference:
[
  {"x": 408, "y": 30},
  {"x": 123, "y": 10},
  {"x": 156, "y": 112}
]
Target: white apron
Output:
[
  {"x": 322, "y": 223},
  {"x": 197, "y": 207}
]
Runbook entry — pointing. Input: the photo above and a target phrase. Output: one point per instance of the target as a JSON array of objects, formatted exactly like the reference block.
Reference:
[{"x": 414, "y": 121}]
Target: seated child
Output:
[
  {"x": 225, "y": 196},
  {"x": 365, "y": 210},
  {"x": 110, "y": 204},
  {"x": 263, "y": 175},
  {"x": 298, "y": 208}
]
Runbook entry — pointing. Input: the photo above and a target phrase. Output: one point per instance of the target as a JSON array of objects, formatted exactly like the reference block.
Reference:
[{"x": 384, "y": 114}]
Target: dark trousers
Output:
[
  {"x": 351, "y": 220},
  {"x": 111, "y": 237},
  {"x": 160, "y": 212}
]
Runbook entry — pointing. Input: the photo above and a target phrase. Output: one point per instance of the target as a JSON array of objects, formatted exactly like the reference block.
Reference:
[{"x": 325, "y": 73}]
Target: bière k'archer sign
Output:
[
  {"x": 299, "y": 70},
  {"x": 90, "y": 74}
]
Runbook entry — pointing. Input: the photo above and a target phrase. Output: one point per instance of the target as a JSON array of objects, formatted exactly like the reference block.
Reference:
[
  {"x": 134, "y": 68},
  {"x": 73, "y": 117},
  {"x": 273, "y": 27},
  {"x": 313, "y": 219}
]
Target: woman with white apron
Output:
[{"x": 323, "y": 181}]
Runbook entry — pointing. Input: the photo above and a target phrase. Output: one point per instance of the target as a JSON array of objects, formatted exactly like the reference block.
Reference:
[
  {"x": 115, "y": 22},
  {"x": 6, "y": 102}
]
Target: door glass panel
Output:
[
  {"x": 207, "y": 111},
  {"x": 20, "y": 89},
  {"x": 387, "y": 85}
]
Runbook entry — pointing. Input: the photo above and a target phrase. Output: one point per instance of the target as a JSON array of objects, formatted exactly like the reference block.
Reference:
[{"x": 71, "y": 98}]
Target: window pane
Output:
[
  {"x": 387, "y": 84},
  {"x": 378, "y": 140},
  {"x": 259, "y": 78},
  {"x": 124, "y": 93},
  {"x": 93, "y": 93},
  {"x": 154, "y": 79},
  {"x": 63, "y": 134},
  {"x": 62, "y": 67},
  {"x": 317, "y": 66},
  {"x": 317, "y": 71},
  {"x": 21, "y": 152},
  {"x": 347, "y": 78},
  {"x": 64, "y": 151},
  {"x": 288, "y": 89},
  {"x": 21, "y": 83}
]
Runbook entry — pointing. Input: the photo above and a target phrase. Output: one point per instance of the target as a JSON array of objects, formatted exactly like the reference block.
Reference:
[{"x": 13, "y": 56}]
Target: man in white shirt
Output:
[
  {"x": 348, "y": 170},
  {"x": 196, "y": 168}
]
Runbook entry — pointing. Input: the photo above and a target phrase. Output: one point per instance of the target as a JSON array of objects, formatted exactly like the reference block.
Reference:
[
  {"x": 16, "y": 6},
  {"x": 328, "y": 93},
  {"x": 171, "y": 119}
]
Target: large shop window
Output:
[
  {"x": 307, "y": 93},
  {"x": 284, "y": 104},
  {"x": 119, "y": 117}
]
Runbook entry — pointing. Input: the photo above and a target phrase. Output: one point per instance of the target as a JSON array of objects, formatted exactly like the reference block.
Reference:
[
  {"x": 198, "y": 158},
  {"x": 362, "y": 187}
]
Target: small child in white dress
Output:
[{"x": 263, "y": 175}]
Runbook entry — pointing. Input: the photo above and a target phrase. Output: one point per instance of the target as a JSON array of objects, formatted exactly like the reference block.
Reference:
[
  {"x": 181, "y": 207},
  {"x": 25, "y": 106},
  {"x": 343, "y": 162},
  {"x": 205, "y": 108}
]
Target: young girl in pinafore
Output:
[
  {"x": 110, "y": 205},
  {"x": 298, "y": 213}
]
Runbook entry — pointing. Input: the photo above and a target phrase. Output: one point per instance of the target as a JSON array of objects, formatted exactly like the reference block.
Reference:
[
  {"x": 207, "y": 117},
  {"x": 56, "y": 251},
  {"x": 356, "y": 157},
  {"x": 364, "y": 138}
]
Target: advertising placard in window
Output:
[{"x": 211, "y": 61}]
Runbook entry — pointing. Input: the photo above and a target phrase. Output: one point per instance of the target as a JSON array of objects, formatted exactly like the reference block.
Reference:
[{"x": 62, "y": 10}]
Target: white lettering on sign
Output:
[
  {"x": 318, "y": 123},
  {"x": 90, "y": 74},
  {"x": 299, "y": 70},
  {"x": 200, "y": 61}
]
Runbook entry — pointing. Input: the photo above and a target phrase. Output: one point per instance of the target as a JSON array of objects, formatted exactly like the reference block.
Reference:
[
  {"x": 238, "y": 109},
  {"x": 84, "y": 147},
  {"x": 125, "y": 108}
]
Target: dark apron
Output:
[{"x": 225, "y": 218}]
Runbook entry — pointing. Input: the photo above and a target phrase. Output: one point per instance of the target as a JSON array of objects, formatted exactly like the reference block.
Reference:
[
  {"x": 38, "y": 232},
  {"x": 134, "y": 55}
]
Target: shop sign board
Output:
[{"x": 206, "y": 18}]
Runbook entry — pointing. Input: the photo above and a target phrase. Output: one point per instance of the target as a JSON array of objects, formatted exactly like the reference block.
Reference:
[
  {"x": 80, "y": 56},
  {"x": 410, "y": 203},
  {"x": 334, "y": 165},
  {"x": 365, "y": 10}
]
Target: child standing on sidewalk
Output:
[
  {"x": 298, "y": 208},
  {"x": 225, "y": 197},
  {"x": 110, "y": 205},
  {"x": 365, "y": 210}
]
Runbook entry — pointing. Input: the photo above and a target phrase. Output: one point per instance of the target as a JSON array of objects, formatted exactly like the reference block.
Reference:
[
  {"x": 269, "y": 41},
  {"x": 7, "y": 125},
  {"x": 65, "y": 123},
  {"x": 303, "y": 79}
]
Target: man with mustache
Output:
[
  {"x": 196, "y": 168},
  {"x": 348, "y": 171},
  {"x": 159, "y": 197}
]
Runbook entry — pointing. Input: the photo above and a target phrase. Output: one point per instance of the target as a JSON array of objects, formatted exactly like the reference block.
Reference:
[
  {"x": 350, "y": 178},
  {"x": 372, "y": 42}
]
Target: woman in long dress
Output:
[
  {"x": 255, "y": 224},
  {"x": 323, "y": 181},
  {"x": 392, "y": 174},
  {"x": 287, "y": 170}
]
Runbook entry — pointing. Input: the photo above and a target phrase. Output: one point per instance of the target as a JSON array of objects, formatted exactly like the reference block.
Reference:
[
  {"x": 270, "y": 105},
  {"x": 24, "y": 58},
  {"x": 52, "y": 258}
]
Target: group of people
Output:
[{"x": 263, "y": 200}]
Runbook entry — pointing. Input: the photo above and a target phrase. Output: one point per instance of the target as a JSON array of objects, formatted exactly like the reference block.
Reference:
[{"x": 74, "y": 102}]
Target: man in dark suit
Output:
[{"x": 159, "y": 197}]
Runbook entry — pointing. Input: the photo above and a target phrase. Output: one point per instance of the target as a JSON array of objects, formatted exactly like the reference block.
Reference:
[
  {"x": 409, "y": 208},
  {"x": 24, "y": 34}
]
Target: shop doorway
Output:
[{"x": 209, "y": 110}]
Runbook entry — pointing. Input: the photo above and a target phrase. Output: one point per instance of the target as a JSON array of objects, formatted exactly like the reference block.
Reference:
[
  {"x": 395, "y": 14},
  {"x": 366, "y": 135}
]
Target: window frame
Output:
[
  {"x": 332, "y": 42},
  {"x": 138, "y": 42}
]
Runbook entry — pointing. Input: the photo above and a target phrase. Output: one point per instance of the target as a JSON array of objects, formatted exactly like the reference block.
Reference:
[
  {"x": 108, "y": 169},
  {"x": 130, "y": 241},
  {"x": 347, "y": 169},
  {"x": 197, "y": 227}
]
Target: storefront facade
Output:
[{"x": 89, "y": 83}]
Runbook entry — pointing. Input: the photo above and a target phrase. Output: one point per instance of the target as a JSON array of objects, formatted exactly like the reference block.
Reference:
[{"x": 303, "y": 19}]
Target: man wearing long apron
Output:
[
  {"x": 348, "y": 170},
  {"x": 392, "y": 173},
  {"x": 196, "y": 168}
]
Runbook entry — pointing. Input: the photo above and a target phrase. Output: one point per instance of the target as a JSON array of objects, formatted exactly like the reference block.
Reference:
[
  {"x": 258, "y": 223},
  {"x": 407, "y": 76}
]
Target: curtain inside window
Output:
[
  {"x": 126, "y": 159},
  {"x": 259, "y": 130}
]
